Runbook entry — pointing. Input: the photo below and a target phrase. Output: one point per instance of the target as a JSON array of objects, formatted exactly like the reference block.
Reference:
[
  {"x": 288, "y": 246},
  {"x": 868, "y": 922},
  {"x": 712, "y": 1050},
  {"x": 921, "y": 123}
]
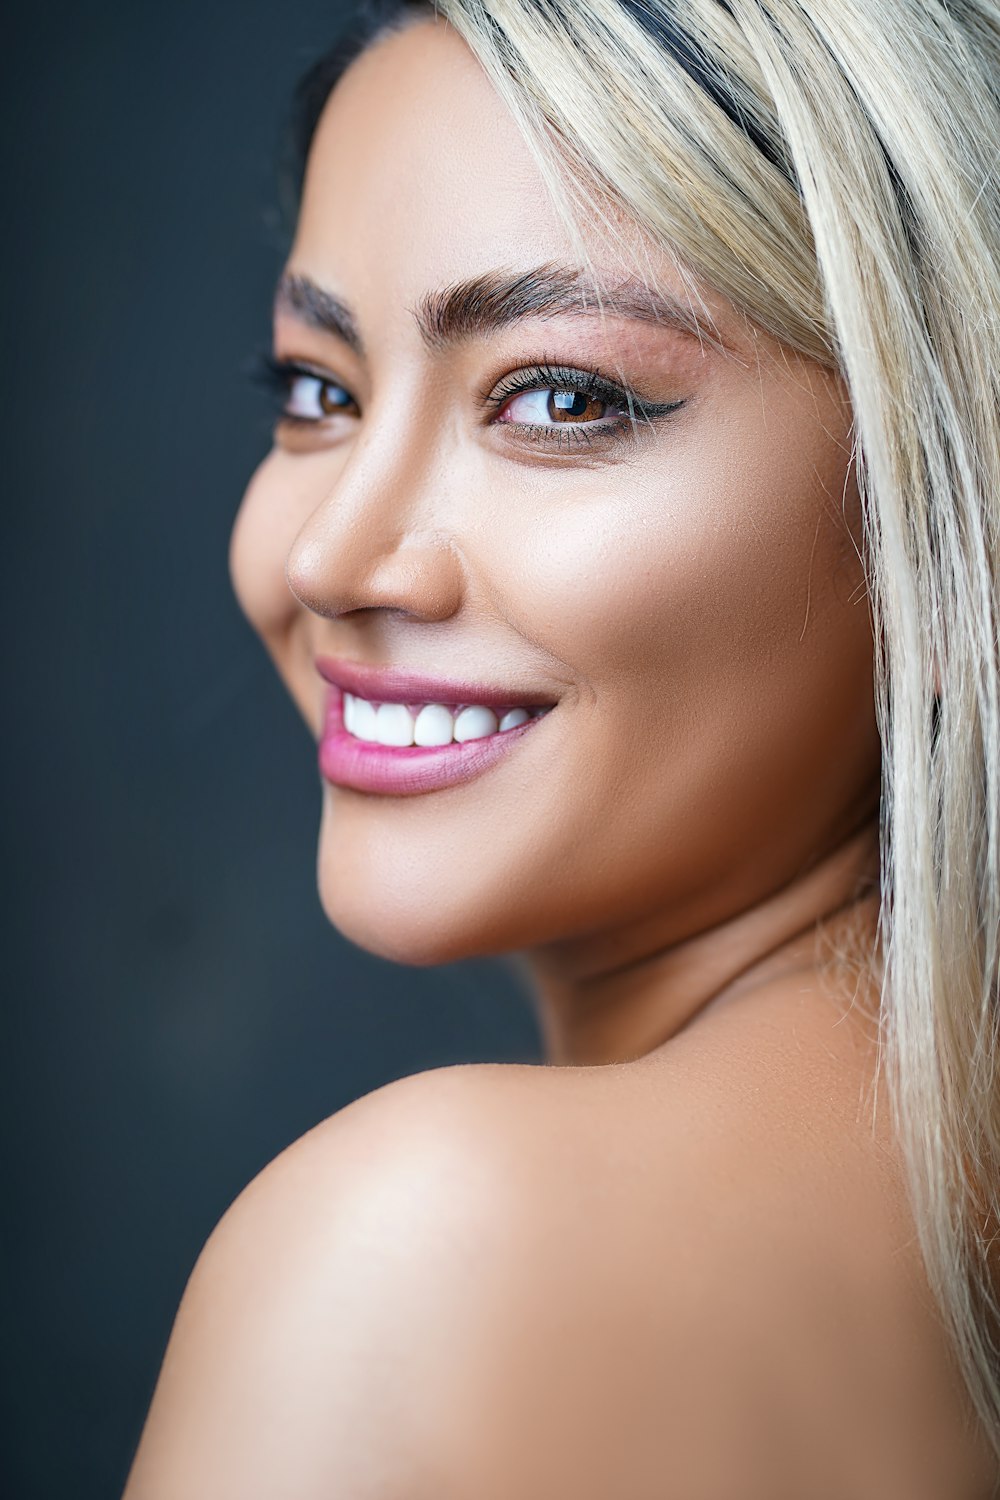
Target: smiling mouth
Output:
[{"x": 424, "y": 747}]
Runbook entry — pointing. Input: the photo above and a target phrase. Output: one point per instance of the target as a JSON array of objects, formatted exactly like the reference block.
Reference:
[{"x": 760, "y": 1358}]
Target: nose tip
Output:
[{"x": 420, "y": 575}]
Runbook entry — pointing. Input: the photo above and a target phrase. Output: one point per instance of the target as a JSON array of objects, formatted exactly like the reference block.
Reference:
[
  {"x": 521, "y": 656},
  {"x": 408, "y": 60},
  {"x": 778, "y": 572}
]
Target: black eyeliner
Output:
[{"x": 547, "y": 375}]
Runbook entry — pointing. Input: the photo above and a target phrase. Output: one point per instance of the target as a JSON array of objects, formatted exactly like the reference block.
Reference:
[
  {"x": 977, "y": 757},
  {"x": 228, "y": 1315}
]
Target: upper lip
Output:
[{"x": 398, "y": 685}]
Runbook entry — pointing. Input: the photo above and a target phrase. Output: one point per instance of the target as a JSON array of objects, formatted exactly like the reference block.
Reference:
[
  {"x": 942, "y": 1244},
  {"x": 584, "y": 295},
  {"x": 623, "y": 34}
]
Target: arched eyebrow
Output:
[
  {"x": 488, "y": 303},
  {"x": 307, "y": 302}
]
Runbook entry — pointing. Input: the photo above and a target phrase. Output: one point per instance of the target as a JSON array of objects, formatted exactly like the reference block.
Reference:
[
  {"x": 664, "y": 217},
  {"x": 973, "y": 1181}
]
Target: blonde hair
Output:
[{"x": 831, "y": 166}]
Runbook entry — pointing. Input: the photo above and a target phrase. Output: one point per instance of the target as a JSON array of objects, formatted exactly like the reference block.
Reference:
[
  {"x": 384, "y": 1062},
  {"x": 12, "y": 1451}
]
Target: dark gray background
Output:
[{"x": 178, "y": 1009}]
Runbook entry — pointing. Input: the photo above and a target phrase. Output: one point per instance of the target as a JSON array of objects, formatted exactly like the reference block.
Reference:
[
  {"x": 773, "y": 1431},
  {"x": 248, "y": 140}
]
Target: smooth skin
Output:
[{"x": 676, "y": 1263}]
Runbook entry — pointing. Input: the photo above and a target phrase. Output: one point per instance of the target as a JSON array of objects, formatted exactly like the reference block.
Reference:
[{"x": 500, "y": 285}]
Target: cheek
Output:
[
  {"x": 711, "y": 609},
  {"x": 695, "y": 573},
  {"x": 263, "y": 533}
]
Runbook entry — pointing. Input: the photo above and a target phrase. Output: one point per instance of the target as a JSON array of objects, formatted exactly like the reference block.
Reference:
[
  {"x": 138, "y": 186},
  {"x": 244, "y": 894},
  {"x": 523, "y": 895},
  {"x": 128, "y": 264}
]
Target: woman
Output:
[{"x": 629, "y": 544}]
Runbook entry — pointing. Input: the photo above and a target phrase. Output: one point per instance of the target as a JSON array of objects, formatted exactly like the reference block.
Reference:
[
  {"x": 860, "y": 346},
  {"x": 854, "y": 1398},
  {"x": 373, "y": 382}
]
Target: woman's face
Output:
[{"x": 686, "y": 591}]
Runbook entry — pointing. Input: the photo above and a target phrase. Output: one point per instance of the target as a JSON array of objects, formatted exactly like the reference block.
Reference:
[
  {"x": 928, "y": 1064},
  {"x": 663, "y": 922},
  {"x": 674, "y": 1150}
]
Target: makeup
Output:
[{"x": 366, "y": 766}]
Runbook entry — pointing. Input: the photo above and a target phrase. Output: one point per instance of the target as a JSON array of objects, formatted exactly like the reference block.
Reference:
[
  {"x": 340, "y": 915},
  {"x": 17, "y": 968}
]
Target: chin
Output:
[{"x": 418, "y": 929}]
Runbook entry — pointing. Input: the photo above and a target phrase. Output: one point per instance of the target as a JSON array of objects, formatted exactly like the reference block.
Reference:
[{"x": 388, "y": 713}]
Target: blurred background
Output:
[{"x": 178, "y": 1009}]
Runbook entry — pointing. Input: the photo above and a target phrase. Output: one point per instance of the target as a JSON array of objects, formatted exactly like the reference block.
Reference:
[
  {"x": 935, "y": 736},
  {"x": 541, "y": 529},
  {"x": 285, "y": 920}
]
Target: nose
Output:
[{"x": 372, "y": 543}]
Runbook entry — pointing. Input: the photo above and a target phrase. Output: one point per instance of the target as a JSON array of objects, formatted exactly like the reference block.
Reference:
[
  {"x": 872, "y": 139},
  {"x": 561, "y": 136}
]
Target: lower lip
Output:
[{"x": 403, "y": 771}]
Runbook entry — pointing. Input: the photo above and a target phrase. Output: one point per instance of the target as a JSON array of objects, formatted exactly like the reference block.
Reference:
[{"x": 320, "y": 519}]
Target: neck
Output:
[{"x": 627, "y": 994}]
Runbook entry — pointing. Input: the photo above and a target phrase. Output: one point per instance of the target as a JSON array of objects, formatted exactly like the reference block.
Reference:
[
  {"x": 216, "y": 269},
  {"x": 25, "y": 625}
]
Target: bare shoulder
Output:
[
  {"x": 342, "y": 1312},
  {"x": 504, "y": 1280}
]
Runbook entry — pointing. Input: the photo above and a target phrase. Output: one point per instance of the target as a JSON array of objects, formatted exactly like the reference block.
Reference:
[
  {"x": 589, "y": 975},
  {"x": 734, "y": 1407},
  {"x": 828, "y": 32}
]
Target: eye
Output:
[
  {"x": 555, "y": 404},
  {"x": 303, "y": 395},
  {"x": 552, "y": 406},
  {"x": 311, "y": 398}
]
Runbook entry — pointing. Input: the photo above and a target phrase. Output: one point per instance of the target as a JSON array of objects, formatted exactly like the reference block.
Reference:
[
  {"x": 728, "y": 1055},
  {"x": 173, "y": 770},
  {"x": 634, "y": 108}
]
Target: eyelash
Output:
[{"x": 278, "y": 375}]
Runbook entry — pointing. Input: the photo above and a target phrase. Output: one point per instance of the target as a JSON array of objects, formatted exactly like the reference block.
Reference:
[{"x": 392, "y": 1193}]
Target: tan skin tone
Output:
[{"x": 680, "y": 1262}]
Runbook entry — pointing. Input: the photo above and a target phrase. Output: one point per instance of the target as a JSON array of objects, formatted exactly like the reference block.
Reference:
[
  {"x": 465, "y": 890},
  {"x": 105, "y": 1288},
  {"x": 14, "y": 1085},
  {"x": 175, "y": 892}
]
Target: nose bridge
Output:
[{"x": 375, "y": 539}]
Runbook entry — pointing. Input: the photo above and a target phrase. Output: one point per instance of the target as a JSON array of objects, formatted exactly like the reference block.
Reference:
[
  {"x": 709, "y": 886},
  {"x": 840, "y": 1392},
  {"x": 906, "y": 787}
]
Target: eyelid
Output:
[
  {"x": 536, "y": 375},
  {"x": 272, "y": 369},
  {"x": 634, "y": 412},
  {"x": 549, "y": 374}
]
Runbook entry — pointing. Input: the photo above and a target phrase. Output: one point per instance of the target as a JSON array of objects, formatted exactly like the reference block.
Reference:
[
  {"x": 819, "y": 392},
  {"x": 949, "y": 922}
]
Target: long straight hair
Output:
[{"x": 833, "y": 168}]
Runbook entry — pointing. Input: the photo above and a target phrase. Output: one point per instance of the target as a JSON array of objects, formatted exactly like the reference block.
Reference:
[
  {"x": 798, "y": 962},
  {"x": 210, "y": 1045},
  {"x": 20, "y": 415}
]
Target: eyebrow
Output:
[{"x": 485, "y": 304}]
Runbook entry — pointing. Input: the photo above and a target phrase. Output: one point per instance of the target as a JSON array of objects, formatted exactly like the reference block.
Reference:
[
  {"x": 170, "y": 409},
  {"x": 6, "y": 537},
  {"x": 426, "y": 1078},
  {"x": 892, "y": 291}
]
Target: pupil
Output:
[{"x": 564, "y": 404}]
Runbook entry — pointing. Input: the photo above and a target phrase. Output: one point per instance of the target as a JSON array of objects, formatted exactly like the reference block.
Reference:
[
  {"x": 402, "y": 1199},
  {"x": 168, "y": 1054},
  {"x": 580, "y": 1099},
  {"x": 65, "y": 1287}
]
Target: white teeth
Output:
[
  {"x": 474, "y": 723},
  {"x": 434, "y": 726},
  {"x": 364, "y": 719},
  {"x": 395, "y": 724}
]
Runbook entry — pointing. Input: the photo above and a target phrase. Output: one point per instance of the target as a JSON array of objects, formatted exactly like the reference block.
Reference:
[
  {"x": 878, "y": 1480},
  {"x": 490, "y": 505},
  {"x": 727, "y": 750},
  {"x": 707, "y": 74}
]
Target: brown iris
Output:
[
  {"x": 574, "y": 406},
  {"x": 333, "y": 399}
]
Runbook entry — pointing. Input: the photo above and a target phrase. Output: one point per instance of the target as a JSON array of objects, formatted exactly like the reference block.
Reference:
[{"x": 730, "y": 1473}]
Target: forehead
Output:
[
  {"x": 419, "y": 180},
  {"x": 416, "y": 159}
]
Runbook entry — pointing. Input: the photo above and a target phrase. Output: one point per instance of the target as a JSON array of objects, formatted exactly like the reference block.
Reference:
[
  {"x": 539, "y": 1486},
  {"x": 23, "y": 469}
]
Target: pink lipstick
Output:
[{"x": 364, "y": 765}]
